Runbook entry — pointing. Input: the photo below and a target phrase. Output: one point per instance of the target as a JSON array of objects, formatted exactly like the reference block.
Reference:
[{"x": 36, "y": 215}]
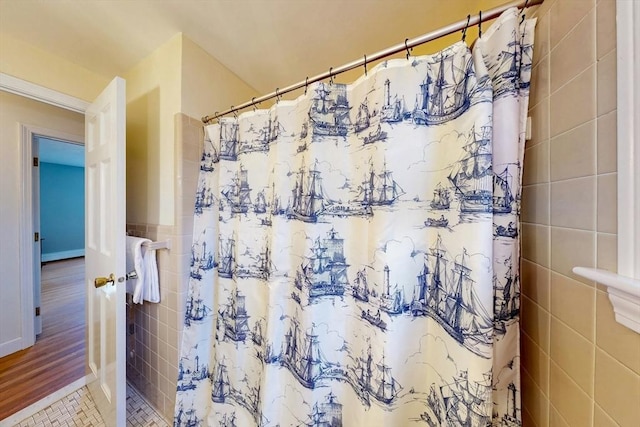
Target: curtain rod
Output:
[{"x": 408, "y": 44}]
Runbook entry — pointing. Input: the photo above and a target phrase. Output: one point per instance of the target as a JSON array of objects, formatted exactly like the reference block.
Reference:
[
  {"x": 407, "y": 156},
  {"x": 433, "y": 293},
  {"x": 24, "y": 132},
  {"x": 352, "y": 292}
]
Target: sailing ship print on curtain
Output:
[{"x": 355, "y": 254}]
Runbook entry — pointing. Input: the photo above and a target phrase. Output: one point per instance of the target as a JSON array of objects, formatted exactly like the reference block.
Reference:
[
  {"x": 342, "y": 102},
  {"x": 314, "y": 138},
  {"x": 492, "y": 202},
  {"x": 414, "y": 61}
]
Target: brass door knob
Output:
[{"x": 99, "y": 282}]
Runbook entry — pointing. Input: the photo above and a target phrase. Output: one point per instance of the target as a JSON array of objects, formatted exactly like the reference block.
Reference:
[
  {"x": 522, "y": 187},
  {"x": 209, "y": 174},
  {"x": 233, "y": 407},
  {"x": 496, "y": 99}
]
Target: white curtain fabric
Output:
[{"x": 355, "y": 254}]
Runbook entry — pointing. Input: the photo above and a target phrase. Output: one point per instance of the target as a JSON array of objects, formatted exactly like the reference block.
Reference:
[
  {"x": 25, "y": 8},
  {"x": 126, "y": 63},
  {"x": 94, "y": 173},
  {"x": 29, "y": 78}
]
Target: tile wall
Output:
[
  {"x": 154, "y": 346},
  {"x": 579, "y": 367}
]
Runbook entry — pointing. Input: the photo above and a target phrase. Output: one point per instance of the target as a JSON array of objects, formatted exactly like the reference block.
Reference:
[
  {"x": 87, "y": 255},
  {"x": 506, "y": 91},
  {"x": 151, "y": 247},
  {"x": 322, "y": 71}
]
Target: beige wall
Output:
[
  {"x": 22, "y": 60},
  {"x": 580, "y": 367},
  {"x": 14, "y": 111}
]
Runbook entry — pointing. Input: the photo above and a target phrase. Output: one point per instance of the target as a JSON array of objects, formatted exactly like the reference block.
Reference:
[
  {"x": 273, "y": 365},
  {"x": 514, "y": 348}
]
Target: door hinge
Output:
[
  {"x": 36, "y": 161},
  {"x": 36, "y": 237},
  {"x": 37, "y": 311}
]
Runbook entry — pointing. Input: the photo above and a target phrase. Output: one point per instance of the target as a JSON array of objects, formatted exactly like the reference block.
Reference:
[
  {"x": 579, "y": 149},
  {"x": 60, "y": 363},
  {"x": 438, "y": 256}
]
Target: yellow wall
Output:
[
  {"x": 179, "y": 76},
  {"x": 208, "y": 86},
  {"x": 37, "y": 66},
  {"x": 153, "y": 97}
]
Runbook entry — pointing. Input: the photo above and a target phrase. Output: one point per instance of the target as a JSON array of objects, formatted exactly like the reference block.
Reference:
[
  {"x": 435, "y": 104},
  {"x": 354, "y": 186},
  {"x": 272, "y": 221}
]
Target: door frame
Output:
[
  {"x": 30, "y": 90},
  {"x": 28, "y": 137}
]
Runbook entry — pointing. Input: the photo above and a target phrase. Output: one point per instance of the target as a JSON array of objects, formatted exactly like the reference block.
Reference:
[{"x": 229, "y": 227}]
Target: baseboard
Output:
[
  {"x": 55, "y": 256},
  {"x": 45, "y": 402}
]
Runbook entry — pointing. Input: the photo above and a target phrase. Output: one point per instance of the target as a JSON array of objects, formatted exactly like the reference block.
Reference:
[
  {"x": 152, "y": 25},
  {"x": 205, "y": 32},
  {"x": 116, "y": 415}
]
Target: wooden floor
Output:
[{"x": 57, "y": 359}]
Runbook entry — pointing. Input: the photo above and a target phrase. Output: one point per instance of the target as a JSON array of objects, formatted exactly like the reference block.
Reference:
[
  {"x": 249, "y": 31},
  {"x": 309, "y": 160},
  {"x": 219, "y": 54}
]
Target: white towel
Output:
[{"x": 143, "y": 261}]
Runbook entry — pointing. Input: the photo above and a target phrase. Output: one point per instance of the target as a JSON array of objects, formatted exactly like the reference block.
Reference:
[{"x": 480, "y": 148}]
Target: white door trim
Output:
[
  {"x": 27, "y": 89},
  {"x": 27, "y": 261}
]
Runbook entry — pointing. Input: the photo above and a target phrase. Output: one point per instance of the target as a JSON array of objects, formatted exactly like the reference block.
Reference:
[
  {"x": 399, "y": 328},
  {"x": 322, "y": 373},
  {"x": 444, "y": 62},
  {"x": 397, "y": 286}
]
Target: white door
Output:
[{"x": 105, "y": 251}]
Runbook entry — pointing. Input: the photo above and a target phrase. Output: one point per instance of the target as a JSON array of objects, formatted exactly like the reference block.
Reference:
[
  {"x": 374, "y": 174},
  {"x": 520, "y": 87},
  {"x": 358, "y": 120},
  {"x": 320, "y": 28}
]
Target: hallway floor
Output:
[{"x": 77, "y": 409}]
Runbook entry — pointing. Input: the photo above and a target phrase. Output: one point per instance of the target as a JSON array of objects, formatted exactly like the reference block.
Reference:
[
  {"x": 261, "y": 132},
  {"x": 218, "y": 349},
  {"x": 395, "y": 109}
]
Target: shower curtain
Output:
[{"x": 355, "y": 252}]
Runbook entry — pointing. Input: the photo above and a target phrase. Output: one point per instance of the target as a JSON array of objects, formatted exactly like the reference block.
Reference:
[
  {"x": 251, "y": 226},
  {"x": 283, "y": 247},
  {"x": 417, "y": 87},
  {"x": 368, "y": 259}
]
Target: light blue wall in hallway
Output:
[{"x": 61, "y": 211}]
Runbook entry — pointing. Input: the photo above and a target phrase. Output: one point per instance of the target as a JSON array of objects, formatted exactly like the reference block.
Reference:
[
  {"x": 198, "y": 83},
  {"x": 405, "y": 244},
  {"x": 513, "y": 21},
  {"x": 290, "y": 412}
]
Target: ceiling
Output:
[
  {"x": 267, "y": 43},
  {"x": 60, "y": 152}
]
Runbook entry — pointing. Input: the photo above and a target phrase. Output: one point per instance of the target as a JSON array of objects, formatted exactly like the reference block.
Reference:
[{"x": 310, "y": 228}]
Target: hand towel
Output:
[{"x": 143, "y": 261}]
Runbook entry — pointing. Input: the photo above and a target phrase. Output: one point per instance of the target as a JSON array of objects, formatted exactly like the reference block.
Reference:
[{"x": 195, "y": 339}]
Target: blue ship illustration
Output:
[
  {"x": 472, "y": 178},
  {"x": 220, "y": 383},
  {"x": 260, "y": 267},
  {"x": 228, "y": 420},
  {"x": 510, "y": 230},
  {"x": 506, "y": 298},
  {"x": 209, "y": 157},
  {"x": 326, "y": 414},
  {"x": 448, "y": 96},
  {"x": 390, "y": 302},
  {"x": 222, "y": 391},
  {"x": 526, "y": 60},
  {"x": 204, "y": 198},
  {"x": 379, "y": 188},
  {"x": 392, "y": 111},
  {"x": 186, "y": 418},
  {"x": 435, "y": 407},
  {"x": 301, "y": 355},
  {"x": 441, "y": 198},
  {"x": 377, "y": 135},
  {"x": 455, "y": 306},
  {"x": 437, "y": 222},
  {"x": 374, "y": 319},
  {"x": 363, "y": 118},
  {"x": 256, "y": 334},
  {"x": 196, "y": 310},
  {"x": 360, "y": 288},
  {"x": 201, "y": 260},
  {"x": 374, "y": 379},
  {"x": 324, "y": 273},
  {"x": 276, "y": 205},
  {"x": 308, "y": 198},
  {"x": 502, "y": 196},
  {"x": 459, "y": 403},
  {"x": 238, "y": 193},
  {"x": 229, "y": 138},
  {"x": 329, "y": 113},
  {"x": 235, "y": 318},
  {"x": 227, "y": 264},
  {"x": 260, "y": 206},
  {"x": 505, "y": 69}
]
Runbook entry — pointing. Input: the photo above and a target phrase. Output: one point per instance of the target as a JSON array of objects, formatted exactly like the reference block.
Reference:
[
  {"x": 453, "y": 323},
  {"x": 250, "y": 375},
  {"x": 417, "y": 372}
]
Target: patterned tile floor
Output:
[{"x": 78, "y": 410}]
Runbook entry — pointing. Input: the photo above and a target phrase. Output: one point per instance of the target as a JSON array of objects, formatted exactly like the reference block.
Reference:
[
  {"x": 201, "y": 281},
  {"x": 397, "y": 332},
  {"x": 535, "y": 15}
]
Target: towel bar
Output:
[{"x": 165, "y": 244}]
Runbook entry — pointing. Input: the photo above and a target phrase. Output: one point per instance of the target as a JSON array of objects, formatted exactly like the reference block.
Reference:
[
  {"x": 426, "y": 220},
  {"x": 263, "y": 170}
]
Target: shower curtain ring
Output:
[
  {"x": 277, "y": 95},
  {"x": 407, "y": 47},
  {"x": 479, "y": 24},
  {"x": 235, "y": 113},
  {"x": 365, "y": 65},
  {"x": 330, "y": 75},
  {"x": 253, "y": 102},
  {"x": 464, "y": 31},
  {"x": 306, "y": 84}
]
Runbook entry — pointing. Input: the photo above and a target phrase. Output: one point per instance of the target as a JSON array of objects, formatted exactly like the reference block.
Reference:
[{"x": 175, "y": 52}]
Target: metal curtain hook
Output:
[
  {"x": 407, "y": 47},
  {"x": 277, "y": 95},
  {"x": 479, "y": 24},
  {"x": 253, "y": 102},
  {"x": 330, "y": 75},
  {"x": 464, "y": 31},
  {"x": 306, "y": 84},
  {"x": 365, "y": 65},
  {"x": 235, "y": 113}
]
